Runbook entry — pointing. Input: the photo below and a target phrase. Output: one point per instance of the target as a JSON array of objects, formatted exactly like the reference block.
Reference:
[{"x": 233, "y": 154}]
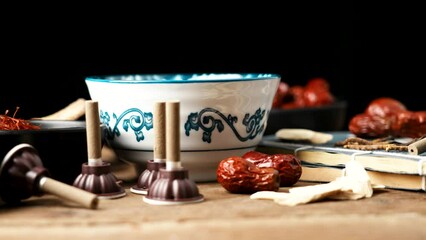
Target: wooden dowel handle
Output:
[
  {"x": 160, "y": 131},
  {"x": 93, "y": 131},
  {"x": 418, "y": 147},
  {"x": 72, "y": 111},
  {"x": 173, "y": 131},
  {"x": 68, "y": 192}
]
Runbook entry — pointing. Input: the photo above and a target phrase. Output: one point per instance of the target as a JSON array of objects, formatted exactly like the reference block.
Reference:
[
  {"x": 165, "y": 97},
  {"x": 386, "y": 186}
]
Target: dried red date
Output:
[
  {"x": 295, "y": 97},
  {"x": 318, "y": 83},
  {"x": 315, "y": 93},
  {"x": 385, "y": 117},
  {"x": 281, "y": 93},
  {"x": 410, "y": 124},
  {"x": 384, "y": 107},
  {"x": 237, "y": 175},
  {"x": 317, "y": 97},
  {"x": 368, "y": 126},
  {"x": 288, "y": 166}
]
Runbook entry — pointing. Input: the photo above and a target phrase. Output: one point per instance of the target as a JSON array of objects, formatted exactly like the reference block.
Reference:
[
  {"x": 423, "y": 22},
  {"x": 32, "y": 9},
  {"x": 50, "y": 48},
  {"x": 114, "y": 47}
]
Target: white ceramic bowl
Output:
[{"x": 221, "y": 115}]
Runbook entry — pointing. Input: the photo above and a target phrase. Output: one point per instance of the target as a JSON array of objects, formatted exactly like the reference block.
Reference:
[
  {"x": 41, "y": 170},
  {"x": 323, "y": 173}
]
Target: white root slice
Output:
[
  {"x": 72, "y": 111},
  {"x": 356, "y": 182},
  {"x": 310, "y": 194},
  {"x": 354, "y": 185},
  {"x": 300, "y": 134},
  {"x": 268, "y": 195}
]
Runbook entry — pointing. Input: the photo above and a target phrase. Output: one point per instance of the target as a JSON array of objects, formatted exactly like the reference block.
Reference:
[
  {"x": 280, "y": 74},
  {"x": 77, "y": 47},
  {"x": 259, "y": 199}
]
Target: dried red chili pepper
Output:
[
  {"x": 288, "y": 166},
  {"x": 13, "y": 123}
]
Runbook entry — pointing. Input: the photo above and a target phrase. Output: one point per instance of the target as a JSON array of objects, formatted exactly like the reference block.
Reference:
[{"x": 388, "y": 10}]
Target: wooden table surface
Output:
[{"x": 389, "y": 214}]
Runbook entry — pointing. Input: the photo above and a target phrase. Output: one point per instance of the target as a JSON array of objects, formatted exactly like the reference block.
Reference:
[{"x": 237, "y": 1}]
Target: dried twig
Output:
[
  {"x": 385, "y": 147},
  {"x": 362, "y": 141},
  {"x": 386, "y": 144}
]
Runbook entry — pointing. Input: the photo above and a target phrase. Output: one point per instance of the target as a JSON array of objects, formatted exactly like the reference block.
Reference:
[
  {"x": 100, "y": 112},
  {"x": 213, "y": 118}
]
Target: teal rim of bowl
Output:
[{"x": 182, "y": 78}]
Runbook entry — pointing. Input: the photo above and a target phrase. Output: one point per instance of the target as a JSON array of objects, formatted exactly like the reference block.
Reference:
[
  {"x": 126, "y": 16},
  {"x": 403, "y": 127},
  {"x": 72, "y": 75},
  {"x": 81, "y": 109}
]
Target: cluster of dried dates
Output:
[
  {"x": 315, "y": 93},
  {"x": 385, "y": 117},
  {"x": 256, "y": 171}
]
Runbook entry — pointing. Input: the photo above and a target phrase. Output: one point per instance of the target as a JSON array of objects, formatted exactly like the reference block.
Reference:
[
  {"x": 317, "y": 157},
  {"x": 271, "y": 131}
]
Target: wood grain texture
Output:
[{"x": 389, "y": 214}]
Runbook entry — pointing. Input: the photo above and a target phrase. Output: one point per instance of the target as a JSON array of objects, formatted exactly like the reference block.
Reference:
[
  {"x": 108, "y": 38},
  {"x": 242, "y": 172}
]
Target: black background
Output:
[{"x": 364, "y": 53}]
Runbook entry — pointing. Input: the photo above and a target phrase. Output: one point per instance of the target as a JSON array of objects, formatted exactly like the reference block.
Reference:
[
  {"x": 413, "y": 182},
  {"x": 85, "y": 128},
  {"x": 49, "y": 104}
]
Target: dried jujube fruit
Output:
[
  {"x": 288, "y": 166},
  {"x": 237, "y": 175},
  {"x": 386, "y": 117}
]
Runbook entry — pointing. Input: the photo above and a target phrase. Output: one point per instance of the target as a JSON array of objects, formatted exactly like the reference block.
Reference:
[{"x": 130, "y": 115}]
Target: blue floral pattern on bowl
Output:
[
  {"x": 132, "y": 119},
  {"x": 208, "y": 123},
  {"x": 136, "y": 120}
]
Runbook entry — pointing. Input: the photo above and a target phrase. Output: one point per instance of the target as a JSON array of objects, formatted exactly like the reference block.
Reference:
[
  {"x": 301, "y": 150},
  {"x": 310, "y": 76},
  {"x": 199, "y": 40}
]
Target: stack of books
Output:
[{"x": 324, "y": 163}]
